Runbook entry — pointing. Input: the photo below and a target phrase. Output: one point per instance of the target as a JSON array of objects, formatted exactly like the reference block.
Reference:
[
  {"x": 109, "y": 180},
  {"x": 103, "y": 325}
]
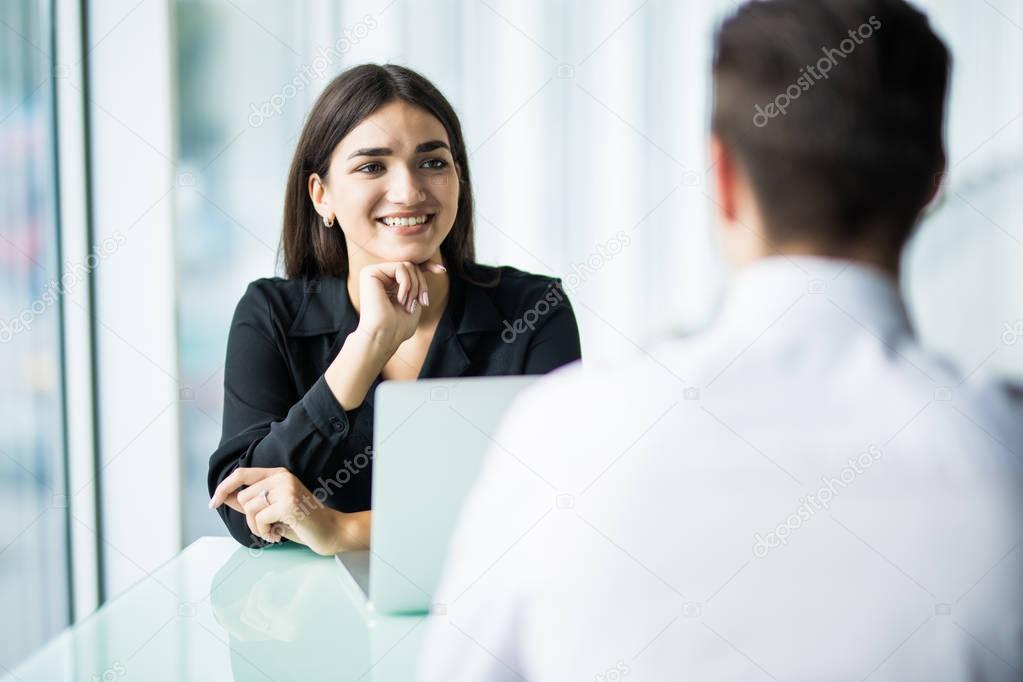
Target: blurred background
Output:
[{"x": 144, "y": 146}]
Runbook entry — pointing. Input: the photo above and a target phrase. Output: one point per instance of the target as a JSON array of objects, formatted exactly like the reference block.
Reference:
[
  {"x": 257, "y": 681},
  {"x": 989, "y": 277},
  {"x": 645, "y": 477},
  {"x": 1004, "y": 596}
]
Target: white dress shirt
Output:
[{"x": 800, "y": 493}]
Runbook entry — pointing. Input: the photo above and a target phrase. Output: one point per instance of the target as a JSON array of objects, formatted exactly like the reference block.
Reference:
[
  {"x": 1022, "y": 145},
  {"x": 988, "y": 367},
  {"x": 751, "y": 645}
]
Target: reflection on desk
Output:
[{"x": 218, "y": 611}]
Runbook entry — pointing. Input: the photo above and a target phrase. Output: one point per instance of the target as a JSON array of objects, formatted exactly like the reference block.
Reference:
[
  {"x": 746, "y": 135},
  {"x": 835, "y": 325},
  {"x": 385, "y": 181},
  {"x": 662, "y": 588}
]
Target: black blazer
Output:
[{"x": 279, "y": 411}]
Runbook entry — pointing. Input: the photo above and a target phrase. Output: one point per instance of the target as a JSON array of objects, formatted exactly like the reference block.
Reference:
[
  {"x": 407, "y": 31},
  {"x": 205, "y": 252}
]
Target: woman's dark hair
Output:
[{"x": 309, "y": 249}]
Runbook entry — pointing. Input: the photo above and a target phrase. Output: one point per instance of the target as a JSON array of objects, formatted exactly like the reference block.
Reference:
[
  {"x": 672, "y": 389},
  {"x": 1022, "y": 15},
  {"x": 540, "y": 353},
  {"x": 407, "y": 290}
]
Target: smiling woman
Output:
[{"x": 381, "y": 283}]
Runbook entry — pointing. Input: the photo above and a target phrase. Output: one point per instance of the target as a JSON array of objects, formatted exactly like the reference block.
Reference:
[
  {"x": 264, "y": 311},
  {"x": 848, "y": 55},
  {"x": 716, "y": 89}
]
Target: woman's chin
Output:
[{"x": 414, "y": 253}]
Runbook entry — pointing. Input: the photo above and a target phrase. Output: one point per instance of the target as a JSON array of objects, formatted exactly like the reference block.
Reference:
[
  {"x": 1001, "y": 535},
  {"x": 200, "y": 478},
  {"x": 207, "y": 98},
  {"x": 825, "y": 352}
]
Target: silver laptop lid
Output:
[{"x": 430, "y": 438}]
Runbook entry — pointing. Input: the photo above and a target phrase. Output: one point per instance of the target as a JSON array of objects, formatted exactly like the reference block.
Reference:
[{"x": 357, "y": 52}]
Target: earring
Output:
[{"x": 328, "y": 223}]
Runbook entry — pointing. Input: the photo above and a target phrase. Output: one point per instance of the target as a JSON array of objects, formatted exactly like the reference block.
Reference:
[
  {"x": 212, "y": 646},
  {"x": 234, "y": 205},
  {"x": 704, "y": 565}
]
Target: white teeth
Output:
[{"x": 405, "y": 222}]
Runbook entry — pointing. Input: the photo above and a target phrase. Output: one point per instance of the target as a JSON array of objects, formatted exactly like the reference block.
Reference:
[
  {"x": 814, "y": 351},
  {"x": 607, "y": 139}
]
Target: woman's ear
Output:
[{"x": 320, "y": 197}]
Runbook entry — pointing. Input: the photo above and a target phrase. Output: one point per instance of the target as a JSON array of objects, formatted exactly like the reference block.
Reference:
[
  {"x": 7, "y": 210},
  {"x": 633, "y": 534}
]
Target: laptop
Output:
[{"x": 429, "y": 440}]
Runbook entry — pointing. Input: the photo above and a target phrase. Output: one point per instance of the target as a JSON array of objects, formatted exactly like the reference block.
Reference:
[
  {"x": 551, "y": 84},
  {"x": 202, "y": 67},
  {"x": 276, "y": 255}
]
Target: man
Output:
[{"x": 801, "y": 492}]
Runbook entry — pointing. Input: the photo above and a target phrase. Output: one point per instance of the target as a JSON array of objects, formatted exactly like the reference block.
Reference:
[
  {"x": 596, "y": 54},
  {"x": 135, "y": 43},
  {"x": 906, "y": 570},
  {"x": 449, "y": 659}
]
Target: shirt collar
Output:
[
  {"x": 327, "y": 309},
  {"x": 777, "y": 287}
]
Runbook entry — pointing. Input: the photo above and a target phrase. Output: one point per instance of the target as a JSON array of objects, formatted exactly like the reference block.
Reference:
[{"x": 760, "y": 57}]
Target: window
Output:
[
  {"x": 33, "y": 492},
  {"x": 229, "y": 205}
]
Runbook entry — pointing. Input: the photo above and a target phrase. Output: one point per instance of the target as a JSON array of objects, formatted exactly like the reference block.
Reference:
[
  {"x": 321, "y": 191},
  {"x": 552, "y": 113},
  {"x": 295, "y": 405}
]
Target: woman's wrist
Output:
[
  {"x": 351, "y": 531},
  {"x": 351, "y": 374},
  {"x": 378, "y": 343}
]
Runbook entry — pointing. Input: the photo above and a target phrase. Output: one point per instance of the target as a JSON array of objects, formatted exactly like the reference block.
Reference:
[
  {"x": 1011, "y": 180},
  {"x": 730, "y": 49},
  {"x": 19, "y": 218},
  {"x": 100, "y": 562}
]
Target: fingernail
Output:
[
  {"x": 425, "y": 298},
  {"x": 412, "y": 308},
  {"x": 211, "y": 504},
  {"x": 442, "y": 268}
]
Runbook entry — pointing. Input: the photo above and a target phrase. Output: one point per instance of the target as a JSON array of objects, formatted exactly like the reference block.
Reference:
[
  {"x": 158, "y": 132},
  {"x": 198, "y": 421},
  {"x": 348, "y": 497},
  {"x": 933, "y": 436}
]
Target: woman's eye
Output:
[
  {"x": 370, "y": 168},
  {"x": 434, "y": 164}
]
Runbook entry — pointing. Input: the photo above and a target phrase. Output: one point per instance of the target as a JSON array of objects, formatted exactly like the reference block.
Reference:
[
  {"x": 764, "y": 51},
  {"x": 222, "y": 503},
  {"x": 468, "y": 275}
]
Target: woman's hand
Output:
[
  {"x": 389, "y": 311},
  {"x": 391, "y": 296},
  {"x": 276, "y": 504}
]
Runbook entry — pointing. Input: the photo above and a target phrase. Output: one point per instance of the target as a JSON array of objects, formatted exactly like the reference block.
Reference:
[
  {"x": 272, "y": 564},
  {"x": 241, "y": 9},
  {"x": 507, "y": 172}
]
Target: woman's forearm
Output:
[{"x": 356, "y": 366}]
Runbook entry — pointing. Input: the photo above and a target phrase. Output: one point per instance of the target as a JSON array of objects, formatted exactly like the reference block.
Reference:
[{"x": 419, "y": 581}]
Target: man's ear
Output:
[{"x": 724, "y": 169}]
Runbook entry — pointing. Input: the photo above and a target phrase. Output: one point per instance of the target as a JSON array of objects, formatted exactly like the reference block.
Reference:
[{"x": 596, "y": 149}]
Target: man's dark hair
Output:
[{"x": 835, "y": 111}]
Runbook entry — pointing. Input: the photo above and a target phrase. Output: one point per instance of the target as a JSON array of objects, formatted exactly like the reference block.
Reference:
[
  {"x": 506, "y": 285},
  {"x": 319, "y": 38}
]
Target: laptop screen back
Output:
[{"x": 430, "y": 438}]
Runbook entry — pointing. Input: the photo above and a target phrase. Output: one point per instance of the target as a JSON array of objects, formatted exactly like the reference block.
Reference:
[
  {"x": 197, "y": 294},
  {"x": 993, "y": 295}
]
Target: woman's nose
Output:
[{"x": 405, "y": 188}]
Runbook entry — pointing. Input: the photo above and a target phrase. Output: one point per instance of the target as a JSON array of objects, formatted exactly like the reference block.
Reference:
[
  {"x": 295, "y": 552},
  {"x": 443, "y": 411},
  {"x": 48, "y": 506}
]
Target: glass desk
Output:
[{"x": 219, "y": 611}]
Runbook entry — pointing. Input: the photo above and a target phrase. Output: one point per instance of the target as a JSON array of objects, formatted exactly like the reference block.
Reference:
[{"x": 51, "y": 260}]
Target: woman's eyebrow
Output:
[
  {"x": 387, "y": 151},
  {"x": 371, "y": 151},
  {"x": 431, "y": 145}
]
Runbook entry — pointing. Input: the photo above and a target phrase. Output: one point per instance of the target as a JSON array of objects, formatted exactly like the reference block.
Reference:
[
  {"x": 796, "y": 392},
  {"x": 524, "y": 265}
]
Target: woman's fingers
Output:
[
  {"x": 401, "y": 277},
  {"x": 232, "y": 501},
  {"x": 408, "y": 288},
  {"x": 409, "y": 281},
  {"x": 422, "y": 269},
  {"x": 393, "y": 277},
  {"x": 265, "y": 483},
  {"x": 252, "y": 493},
  {"x": 236, "y": 479},
  {"x": 267, "y": 517},
  {"x": 424, "y": 296},
  {"x": 250, "y": 501},
  {"x": 251, "y": 509},
  {"x": 264, "y": 526},
  {"x": 248, "y": 493},
  {"x": 414, "y": 286}
]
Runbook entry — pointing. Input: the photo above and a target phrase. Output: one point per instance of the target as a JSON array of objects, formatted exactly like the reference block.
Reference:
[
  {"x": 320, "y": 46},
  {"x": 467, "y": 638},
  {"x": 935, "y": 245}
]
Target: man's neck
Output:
[{"x": 887, "y": 262}]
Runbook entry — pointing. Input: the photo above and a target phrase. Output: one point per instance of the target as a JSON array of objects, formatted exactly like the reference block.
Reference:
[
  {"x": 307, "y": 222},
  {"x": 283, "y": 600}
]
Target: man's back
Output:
[{"x": 800, "y": 493}]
